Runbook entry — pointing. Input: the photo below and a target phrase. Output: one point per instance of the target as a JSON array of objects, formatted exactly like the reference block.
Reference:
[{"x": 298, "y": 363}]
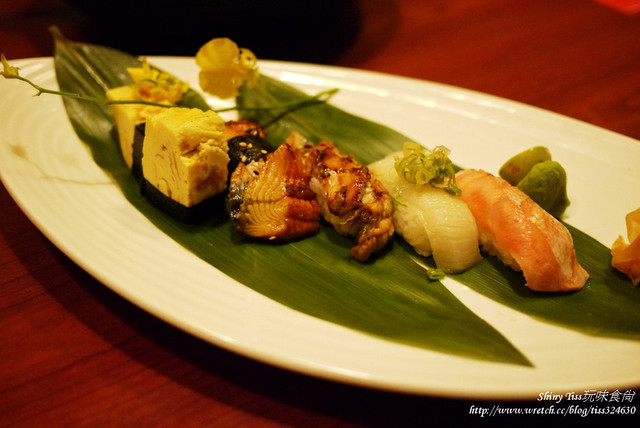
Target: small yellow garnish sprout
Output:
[
  {"x": 8, "y": 71},
  {"x": 224, "y": 67},
  {"x": 156, "y": 86}
]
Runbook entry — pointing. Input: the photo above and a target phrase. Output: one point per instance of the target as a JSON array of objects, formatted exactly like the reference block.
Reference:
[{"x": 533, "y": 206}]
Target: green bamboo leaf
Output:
[
  {"x": 389, "y": 297},
  {"x": 368, "y": 141},
  {"x": 606, "y": 306}
]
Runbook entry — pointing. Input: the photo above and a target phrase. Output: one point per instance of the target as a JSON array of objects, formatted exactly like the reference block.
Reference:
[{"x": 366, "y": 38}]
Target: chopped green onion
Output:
[
  {"x": 423, "y": 166},
  {"x": 435, "y": 274}
]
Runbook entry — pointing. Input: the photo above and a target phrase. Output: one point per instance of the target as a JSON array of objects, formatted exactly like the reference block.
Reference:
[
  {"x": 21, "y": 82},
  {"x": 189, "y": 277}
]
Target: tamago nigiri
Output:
[{"x": 431, "y": 219}]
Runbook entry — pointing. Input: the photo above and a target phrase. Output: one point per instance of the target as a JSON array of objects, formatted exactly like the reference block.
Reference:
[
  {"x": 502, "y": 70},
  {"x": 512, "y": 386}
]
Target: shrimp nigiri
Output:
[{"x": 521, "y": 234}]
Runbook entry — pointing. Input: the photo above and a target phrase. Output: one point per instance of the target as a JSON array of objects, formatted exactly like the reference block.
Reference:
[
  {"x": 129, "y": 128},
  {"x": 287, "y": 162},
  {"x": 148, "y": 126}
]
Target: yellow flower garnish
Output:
[
  {"x": 224, "y": 67},
  {"x": 156, "y": 86},
  {"x": 153, "y": 87},
  {"x": 8, "y": 71}
]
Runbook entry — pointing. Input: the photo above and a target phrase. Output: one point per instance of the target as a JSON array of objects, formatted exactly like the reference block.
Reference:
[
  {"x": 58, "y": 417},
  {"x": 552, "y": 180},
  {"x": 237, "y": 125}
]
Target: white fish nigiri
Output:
[{"x": 433, "y": 221}]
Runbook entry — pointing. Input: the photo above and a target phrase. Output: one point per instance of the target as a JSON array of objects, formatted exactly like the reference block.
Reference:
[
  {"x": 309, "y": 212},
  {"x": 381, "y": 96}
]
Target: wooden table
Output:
[{"x": 74, "y": 353}]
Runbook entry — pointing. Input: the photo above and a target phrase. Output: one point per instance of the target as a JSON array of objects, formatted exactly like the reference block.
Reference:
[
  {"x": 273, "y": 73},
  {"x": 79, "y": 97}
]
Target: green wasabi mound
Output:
[
  {"x": 546, "y": 184},
  {"x": 515, "y": 169},
  {"x": 542, "y": 179}
]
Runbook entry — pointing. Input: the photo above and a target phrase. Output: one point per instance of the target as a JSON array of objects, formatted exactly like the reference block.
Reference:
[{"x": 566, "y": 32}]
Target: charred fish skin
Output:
[
  {"x": 247, "y": 148},
  {"x": 246, "y": 142},
  {"x": 270, "y": 198},
  {"x": 238, "y": 180},
  {"x": 350, "y": 199},
  {"x": 241, "y": 127}
]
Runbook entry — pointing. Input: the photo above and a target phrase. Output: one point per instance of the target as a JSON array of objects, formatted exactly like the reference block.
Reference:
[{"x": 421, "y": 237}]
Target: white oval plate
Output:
[{"x": 51, "y": 175}]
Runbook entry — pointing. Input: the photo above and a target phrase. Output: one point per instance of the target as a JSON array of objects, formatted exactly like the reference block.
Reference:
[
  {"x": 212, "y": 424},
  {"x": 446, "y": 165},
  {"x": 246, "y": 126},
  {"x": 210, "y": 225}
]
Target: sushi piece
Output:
[
  {"x": 270, "y": 198},
  {"x": 351, "y": 200},
  {"x": 128, "y": 116},
  {"x": 150, "y": 85},
  {"x": 245, "y": 141},
  {"x": 432, "y": 220},
  {"x": 184, "y": 155},
  {"x": 138, "y": 141},
  {"x": 520, "y": 233}
]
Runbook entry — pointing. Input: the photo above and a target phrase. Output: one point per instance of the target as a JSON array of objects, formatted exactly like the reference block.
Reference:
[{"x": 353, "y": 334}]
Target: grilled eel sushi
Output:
[
  {"x": 270, "y": 197},
  {"x": 351, "y": 200}
]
